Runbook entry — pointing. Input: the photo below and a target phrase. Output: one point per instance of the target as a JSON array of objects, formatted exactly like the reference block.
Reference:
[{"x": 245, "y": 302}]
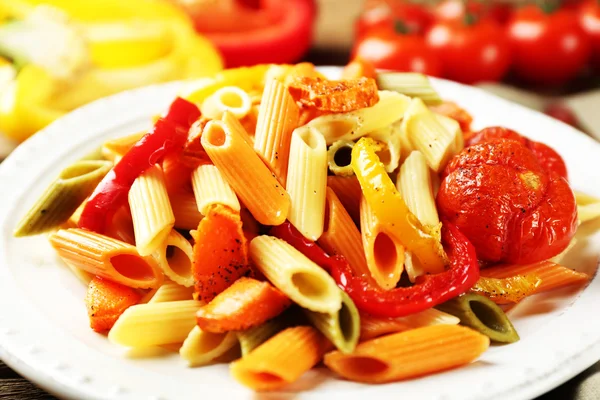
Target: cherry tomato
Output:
[
  {"x": 415, "y": 17},
  {"x": 454, "y": 10},
  {"x": 589, "y": 19},
  {"x": 548, "y": 48},
  {"x": 562, "y": 113},
  {"x": 400, "y": 52},
  {"x": 470, "y": 52}
]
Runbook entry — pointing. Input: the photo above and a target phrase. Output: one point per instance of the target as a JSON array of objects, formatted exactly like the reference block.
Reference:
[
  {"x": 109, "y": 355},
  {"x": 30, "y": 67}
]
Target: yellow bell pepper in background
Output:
[{"x": 129, "y": 44}]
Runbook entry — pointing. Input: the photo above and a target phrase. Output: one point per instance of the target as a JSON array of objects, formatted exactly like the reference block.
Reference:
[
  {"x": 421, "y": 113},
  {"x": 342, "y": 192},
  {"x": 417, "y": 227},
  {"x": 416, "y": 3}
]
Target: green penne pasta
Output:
[
  {"x": 338, "y": 158},
  {"x": 341, "y": 328},
  {"x": 94, "y": 155},
  {"x": 482, "y": 314},
  {"x": 410, "y": 84},
  {"x": 60, "y": 200},
  {"x": 254, "y": 337}
]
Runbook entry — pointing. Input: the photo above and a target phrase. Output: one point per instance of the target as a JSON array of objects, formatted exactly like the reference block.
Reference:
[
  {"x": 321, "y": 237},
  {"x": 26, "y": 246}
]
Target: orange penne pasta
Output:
[
  {"x": 341, "y": 236},
  {"x": 358, "y": 68},
  {"x": 409, "y": 354},
  {"x": 121, "y": 227},
  {"x": 106, "y": 301},
  {"x": 106, "y": 257},
  {"x": 245, "y": 304},
  {"x": 372, "y": 327},
  {"x": 277, "y": 118},
  {"x": 348, "y": 190},
  {"x": 230, "y": 120},
  {"x": 220, "y": 252},
  {"x": 281, "y": 360},
  {"x": 385, "y": 256},
  {"x": 552, "y": 275},
  {"x": 249, "y": 177}
]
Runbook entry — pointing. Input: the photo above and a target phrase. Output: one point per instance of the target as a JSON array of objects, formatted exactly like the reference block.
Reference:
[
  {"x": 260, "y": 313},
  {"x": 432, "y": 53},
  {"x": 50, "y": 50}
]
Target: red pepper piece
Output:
[
  {"x": 548, "y": 158},
  {"x": 168, "y": 135},
  {"x": 428, "y": 291}
]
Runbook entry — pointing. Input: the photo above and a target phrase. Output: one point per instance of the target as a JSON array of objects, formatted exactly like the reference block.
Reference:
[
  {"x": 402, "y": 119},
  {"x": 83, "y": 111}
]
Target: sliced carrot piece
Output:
[
  {"x": 245, "y": 304},
  {"x": 106, "y": 301},
  {"x": 220, "y": 252}
]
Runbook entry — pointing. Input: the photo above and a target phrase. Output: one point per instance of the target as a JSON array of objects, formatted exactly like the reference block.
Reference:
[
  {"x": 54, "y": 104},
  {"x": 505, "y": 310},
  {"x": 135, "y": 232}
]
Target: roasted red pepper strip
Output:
[
  {"x": 168, "y": 135},
  {"x": 428, "y": 291}
]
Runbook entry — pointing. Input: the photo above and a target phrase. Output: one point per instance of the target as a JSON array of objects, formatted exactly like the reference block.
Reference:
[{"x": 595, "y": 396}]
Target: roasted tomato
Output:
[
  {"x": 548, "y": 158},
  {"x": 510, "y": 207}
]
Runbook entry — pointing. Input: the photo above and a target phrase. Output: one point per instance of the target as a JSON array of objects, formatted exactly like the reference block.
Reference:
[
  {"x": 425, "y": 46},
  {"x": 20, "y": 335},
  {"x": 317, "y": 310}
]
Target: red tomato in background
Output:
[
  {"x": 548, "y": 48},
  {"x": 415, "y": 17},
  {"x": 589, "y": 19},
  {"x": 251, "y": 32},
  {"x": 400, "y": 52},
  {"x": 470, "y": 53},
  {"x": 454, "y": 10}
]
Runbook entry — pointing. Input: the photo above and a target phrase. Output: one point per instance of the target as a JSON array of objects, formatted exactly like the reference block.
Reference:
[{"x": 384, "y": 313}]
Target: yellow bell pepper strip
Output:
[
  {"x": 390, "y": 209},
  {"x": 507, "y": 290}
]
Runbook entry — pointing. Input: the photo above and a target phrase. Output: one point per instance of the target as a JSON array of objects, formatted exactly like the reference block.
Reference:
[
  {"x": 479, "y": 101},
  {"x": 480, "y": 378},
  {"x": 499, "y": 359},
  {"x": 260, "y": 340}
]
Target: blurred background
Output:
[{"x": 56, "y": 55}]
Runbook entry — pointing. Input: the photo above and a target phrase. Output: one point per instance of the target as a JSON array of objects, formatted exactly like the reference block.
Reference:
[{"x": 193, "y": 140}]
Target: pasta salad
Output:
[{"x": 274, "y": 219}]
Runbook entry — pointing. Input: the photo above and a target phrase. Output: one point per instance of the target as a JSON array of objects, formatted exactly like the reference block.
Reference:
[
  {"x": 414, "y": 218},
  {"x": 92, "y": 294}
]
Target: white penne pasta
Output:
[
  {"x": 414, "y": 184},
  {"x": 116, "y": 148},
  {"x": 307, "y": 181},
  {"x": 355, "y": 124},
  {"x": 390, "y": 136},
  {"x": 412, "y": 266},
  {"x": 229, "y": 98},
  {"x": 201, "y": 348},
  {"x": 299, "y": 278},
  {"x": 339, "y": 156},
  {"x": 210, "y": 187},
  {"x": 155, "y": 324},
  {"x": 106, "y": 257},
  {"x": 559, "y": 257},
  {"x": 277, "y": 118},
  {"x": 151, "y": 210},
  {"x": 384, "y": 255},
  {"x": 175, "y": 256},
  {"x": 435, "y": 136},
  {"x": 171, "y": 291}
]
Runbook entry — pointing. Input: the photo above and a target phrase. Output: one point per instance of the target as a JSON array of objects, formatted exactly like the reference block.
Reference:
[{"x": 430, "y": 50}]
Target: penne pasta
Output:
[
  {"x": 277, "y": 118},
  {"x": 588, "y": 212},
  {"x": 185, "y": 210},
  {"x": 280, "y": 360},
  {"x": 155, "y": 324},
  {"x": 229, "y": 98},
  {"x": 483, "y": 315},
  {"x": 247, "y": 78},
  {"x": 252, "y": 338},
  {"x": 210, "y": 187},
  {"x": 341, "y": 236},
  {"x": 348, "y": 191},
  {"x": 372, "y": 326},
  {"x": 84, "y": 276},
  {"x": 266, "y": 199},
  {"x": 171, "y": 291},
  {"x": 410, "y": 84},
  {"x": 201, "y": 348},
  {"x": 390, "y": 137},
  {"x": 414, "y": 184},
  {"x": 62, "y": 198},
  {"x": 106, "y": 257},
  {"x": 409, "y": 354},
  {"x": 437, "y": 137},
  {"x": 303, "y": 281},
  {"x": 175, "y": 256},
  {"x": 114, "y": 149},
  {"x": 151, "y": 210},
  {"x": 339, "y": 156},
  {"x": 355, "y": 124},
  {"x": 234, "y": 124},
  {"x": 551, "y": 274},
  {"x": 559, "y": 257},
  {"x": 384, "y": 255},
  {"x": 413, "y": 267},
  {"x": 121, "y": 227},
  {"x": 307, "y": 182},
  {"x": 342, "y": 328}
]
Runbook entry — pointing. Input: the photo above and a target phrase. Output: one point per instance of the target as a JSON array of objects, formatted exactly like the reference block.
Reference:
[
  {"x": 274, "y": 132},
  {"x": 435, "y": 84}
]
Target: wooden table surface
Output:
[{"x": 13, "y": 386}]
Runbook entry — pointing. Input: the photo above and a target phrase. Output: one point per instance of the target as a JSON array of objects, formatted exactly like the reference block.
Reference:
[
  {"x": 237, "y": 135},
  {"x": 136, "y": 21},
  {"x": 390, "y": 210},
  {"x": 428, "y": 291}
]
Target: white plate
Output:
[{"x": 44, "y": 331}]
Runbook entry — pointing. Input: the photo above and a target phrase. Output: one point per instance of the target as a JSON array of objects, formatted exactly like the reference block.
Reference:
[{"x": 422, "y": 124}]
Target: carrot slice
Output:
[
  {"x": 220, "y": 252},
  {"x": 245, "y": 304},
  {"x": 106, "y": 301}
]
